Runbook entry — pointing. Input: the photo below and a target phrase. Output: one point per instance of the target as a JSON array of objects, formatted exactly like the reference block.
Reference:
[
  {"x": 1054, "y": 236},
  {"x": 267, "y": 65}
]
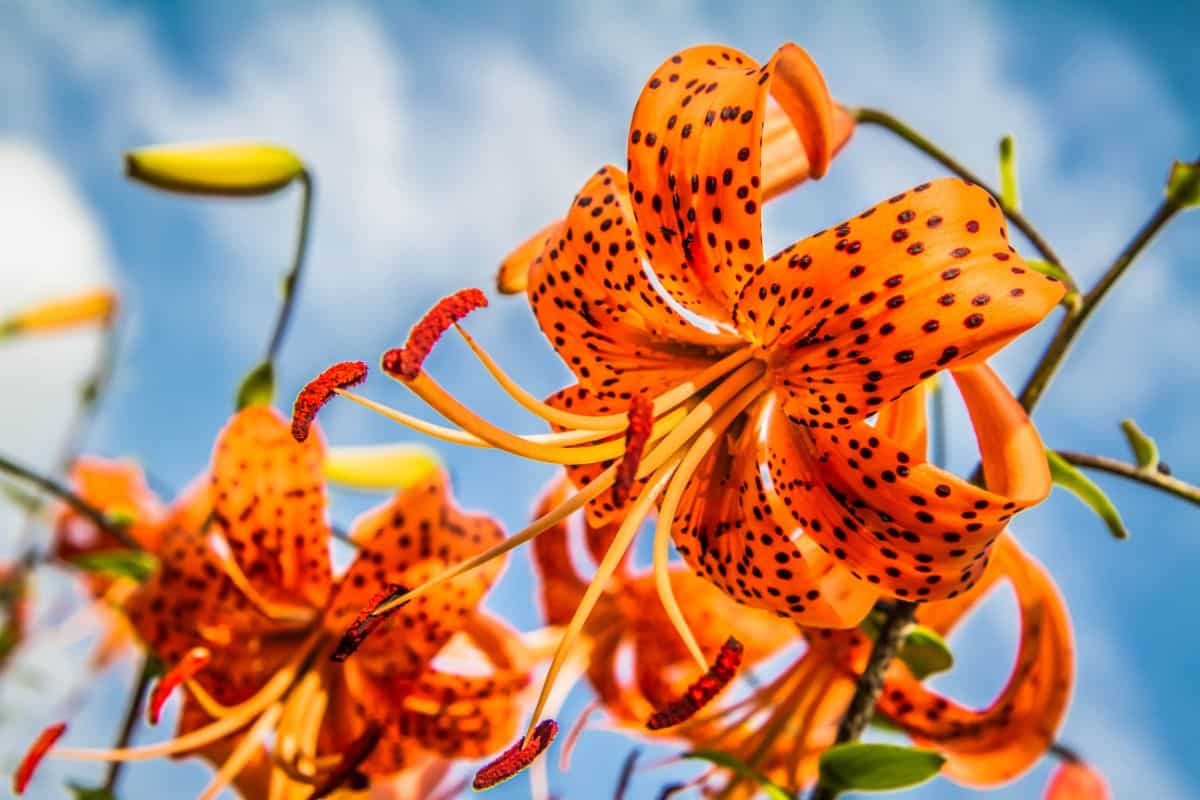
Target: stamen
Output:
[
  {"x": 517, "y": 757},
  {"x": 317, "y": 392},
  {"x": 406, "y": 361},
  {"x": 708, "y": 686},
  {"x": 367, "y": 621},
  {"x": 356, "y": 753},
  {"x": 37, "y": 751},
  {"x": 246, "y": 747},
  {"x": 637, "y": 433},
  {"x": 192, "y": 662}
]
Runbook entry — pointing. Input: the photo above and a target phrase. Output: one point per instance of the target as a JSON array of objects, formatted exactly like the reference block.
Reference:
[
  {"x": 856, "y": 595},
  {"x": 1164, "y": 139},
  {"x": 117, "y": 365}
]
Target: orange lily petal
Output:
[
  {"x": 905, "y": 422},
  {"x": 513, "y": 275},
  {"x": 113, "y": 487},
  {"x": 923, "y": 281},
  {"x": 996, "y": 744},
  {"x": 696, "y": 164},
  {"x": 733, "y": 530},
  {"x": 406, "y": 541},
  {"x": 268, "y": 494},
  {"x": 785, "y": 161},
  {"x": 1074, "y": 780},
  {"x": 593, "y": 299}
]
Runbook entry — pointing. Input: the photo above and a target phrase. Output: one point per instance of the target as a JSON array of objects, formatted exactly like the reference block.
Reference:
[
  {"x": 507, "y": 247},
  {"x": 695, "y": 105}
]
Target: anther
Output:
[
  {"x": 366, "y": 622},
  {"x": 706, "y": 687},
  {"x": 37, "y": 751},
  {"x": 192, "y": 662},
  {"x": 641, "y": 422},
  {"x": 318, "y": 392},
  {"x": 405, "y": 362},
  {"x": 517, "y": 757},
  {"x": 346, "y": 772}
]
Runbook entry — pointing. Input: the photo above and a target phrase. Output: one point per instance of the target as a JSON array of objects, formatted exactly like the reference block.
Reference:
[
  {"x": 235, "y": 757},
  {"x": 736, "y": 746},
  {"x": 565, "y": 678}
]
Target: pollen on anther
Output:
[
  {"x": 517, "y": 757},
  {"x": 637, "y": 433},
  {"x": 37, "y": 751},
  {"x": 318, "y": 392},
  {"x": 191, "y": 663},
  {"x": 366, "y": 622},
  {"x": 700, "y": 693},
  {"x": 405, "y": 362}
]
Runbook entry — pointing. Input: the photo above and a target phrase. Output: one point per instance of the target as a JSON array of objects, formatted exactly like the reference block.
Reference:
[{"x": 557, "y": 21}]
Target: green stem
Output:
[
  {"x": 1147, "y": 477},
  {"x": 86, "y": 509},
  {"x": 872, "y": 116},
  {"x": 870, "y": 682},
  {"x": 291, "y": 280},
  {"x": 140, "y": 686},
  {"x": 1073, "y": 321}
]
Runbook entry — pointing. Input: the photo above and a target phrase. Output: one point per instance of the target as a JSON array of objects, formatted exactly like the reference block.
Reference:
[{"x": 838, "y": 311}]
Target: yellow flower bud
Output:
[
  {"x": 218, "y": 169},
  {"x": 96, "y": 305},
  {"x": 381, "y": 467}
]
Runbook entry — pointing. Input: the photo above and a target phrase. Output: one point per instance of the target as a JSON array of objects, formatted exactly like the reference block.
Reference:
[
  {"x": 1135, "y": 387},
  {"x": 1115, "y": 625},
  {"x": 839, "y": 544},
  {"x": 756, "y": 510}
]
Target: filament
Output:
[{"x": 242, "y": 753}]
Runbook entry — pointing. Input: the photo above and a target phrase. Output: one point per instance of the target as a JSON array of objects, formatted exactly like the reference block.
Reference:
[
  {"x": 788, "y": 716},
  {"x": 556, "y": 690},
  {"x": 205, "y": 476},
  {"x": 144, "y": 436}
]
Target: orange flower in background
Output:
[
  {"x": 802, "y": 129},
  {"x": 245, "y": 604},
  {"x": 751, "y": 433},
  {"x": 782, "y": 728},
  {"x": 1075, "y": 780}
]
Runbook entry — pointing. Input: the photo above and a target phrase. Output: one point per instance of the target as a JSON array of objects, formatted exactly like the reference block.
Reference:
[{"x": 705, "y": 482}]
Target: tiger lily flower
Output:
[
  {"x": 802, "y": 130},
  {"x": 749, "y": 433},
  {"x": 784, "y": 727},
  {"x": 1075, "y": 780},
  {"x": 246, "y": 611}
]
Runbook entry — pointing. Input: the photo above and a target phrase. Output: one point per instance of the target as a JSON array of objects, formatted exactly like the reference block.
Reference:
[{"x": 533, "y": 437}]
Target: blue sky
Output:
[{"x": 442, "y": 134}]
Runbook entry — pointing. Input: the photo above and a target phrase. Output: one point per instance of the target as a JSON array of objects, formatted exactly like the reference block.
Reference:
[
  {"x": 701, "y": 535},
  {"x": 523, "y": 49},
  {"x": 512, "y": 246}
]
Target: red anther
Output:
[
  {"x": 637, "y": 433},
  {"x": 405, "y": 362},
  {"x": 517, "y": 757},
  {"x": 37, "y": 751},
  {"x": 192, "y": 662},
  {"x": 319, "y": 391},
  {"x": 346, "y": 772},
  {"x": 706, "y": 687},
  {"x": 366, "y": 622}
]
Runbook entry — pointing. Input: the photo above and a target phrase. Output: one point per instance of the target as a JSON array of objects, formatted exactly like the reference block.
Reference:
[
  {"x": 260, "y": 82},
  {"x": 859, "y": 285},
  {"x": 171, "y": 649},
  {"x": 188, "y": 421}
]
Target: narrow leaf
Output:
[
  {"x": 258, "y": 387},
  {"x": 136, "y": 564},
  {"x": 1145, "y": 450},
  {"x": 869, "y": 767},
  {"x": 925, "y": 653},
  {"x": 772, "y": 790},
  {"x": 1008, "y": 174},
  {"x": 1080, "y": 485},
  {"x": 1183, "y": 186}
]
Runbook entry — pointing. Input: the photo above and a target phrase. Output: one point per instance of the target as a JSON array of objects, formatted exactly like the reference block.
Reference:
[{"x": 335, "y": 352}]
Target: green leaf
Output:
[
  {"x": 88, "y": 793},
  {"x": 136, "y": 564},
  {"x": 1183, "y": 185},
  {"x": 925, "y": 653},
  {"x": 772, "y": 790},
  {"x": 1145, "y": 450},
  {"x": 1046, "y": 268},
  {"x": 1080, "y": 485},
  {"x": 258, "y": 387},
  {"x": 869, "y": 767},
  {"x": 1008, "y": 174}
]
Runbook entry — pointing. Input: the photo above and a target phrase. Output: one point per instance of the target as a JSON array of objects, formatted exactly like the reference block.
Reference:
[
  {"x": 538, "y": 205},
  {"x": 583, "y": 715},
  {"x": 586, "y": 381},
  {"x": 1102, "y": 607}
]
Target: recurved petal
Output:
[
  {"x": 560, "y": 584},
  {"x": 117, "y": 488},
  {"x": 411, "y": 539},
  {"x": 924, "y": 281},
  {"x": 993, "y": 745},
  {"x": 594, "y": 301},
  {"x": 695, "y": 155},
  {"x": 268, "y": 496},
  {"x": 733, "y": 529}
]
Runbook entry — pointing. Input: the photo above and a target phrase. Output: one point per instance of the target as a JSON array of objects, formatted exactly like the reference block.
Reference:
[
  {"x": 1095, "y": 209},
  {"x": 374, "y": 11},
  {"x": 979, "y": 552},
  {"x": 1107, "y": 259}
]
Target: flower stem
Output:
[
  {"x": 872, "y": 116},
  {"x": 1073, "y": 321},
  {"x": 291, "y": 281},
  {"x": 1148, "y": 477},
  {"x": 95, "y": 515},
  {"x": 140, "y": 686},
  {"x": 870, "y": 682}
]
